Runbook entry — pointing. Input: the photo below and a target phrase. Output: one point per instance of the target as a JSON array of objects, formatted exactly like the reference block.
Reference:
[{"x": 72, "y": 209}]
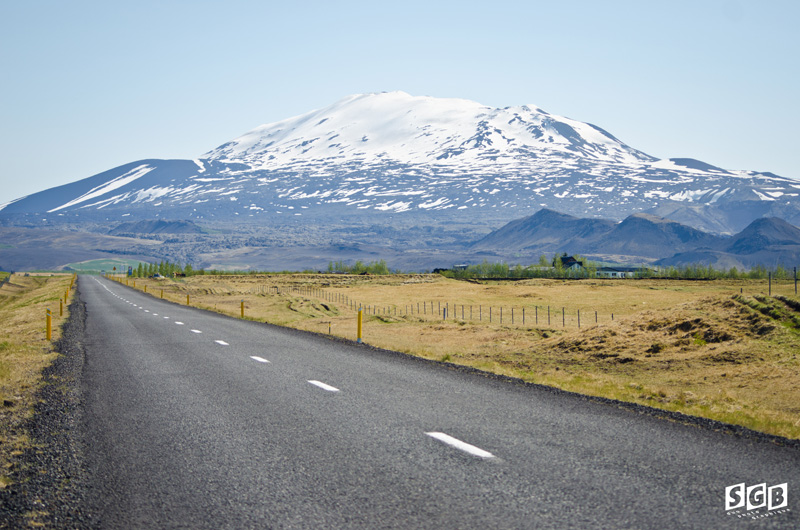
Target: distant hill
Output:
[
  {"x": 769, "y": 242},
  {"x": 546, "y": 229},
  {"x": 645, "y": 237},
  {"x": 649, "y": 236}
]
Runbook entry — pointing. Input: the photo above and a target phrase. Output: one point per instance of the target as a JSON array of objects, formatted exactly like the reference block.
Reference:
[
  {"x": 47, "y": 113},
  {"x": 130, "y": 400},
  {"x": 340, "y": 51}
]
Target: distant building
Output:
[
  {"x": 620, "y": 272},
  {"x": 569, "y": 262}
]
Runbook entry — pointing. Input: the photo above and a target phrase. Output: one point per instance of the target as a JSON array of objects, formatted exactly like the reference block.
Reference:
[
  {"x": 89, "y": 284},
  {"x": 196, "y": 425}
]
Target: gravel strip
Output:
[{"x": 49, "y": 483}]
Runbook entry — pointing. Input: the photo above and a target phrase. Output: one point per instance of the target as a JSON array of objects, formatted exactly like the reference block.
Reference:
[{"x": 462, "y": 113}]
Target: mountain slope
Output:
[
  {"x": 645, "y": 237},
  {"x": 763, "y": 234},
  {"x": 428, "y": 161},
  {"x": 396, "y": 127},
  {"x": 546, "y": 231},
  {"x": 650, "y": 236}
]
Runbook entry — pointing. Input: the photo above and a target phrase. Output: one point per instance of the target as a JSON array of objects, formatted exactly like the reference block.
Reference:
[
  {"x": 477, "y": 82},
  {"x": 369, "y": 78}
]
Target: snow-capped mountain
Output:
[
  {"x": 391, "y": 154},
  {"x": 373, "y": 129}
]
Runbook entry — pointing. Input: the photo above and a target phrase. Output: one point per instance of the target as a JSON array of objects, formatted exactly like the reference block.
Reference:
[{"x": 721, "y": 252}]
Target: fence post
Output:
[
  {"x": 563, "y": 319},
  {"x": 579, "y": 318},
  {"x": 769, "y": 277}
]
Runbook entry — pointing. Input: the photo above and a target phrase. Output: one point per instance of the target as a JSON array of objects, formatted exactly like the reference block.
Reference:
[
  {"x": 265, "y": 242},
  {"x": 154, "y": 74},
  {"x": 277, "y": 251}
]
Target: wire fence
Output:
[{"x": 522, "y": 315}]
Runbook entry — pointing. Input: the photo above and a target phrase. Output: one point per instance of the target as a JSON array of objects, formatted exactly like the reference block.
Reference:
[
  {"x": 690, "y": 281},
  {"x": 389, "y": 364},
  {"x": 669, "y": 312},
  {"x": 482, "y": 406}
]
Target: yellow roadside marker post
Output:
[
  {"x": 360, "y": 319},
  {"x": 187, "y": 299},
  {"x": 162, "y": 293},
  {"x": 242, "y": 308},
  {"x": 60, "y": 307},
  {"x": 49, "y": 325}
]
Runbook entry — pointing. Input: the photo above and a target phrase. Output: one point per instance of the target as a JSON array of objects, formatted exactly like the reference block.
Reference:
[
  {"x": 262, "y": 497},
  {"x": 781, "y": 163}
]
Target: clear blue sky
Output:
[{"x": 89, "y": 85}]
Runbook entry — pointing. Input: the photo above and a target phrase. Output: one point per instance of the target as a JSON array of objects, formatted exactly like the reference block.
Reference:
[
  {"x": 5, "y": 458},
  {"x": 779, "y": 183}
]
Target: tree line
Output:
[
  {"x": 554, "y": 268},
  {"x": 545, "y": 268},
  {"x": 164, "y": 268}
]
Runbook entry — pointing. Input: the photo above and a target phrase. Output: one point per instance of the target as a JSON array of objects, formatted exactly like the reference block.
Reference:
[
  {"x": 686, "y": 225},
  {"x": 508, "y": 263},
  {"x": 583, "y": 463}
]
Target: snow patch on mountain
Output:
[
  {"x": 396, "y": 127},
  {"x": 109, "y": 186}
]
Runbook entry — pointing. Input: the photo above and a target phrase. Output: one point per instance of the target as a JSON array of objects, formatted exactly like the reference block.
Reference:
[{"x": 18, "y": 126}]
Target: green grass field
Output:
[{"x": 103, "y": 265}]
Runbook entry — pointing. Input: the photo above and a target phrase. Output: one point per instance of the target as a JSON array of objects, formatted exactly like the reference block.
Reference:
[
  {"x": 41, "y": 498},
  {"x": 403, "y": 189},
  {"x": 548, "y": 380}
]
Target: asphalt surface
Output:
[{"x": 196, "y": 420}]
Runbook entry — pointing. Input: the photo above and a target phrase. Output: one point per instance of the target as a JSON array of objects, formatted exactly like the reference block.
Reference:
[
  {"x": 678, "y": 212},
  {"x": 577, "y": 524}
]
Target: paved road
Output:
[{"x": 196, "y": 420}]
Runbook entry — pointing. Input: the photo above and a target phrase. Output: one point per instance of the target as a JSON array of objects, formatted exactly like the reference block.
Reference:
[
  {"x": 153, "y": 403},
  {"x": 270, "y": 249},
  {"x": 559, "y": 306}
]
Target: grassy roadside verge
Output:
[
  {"x": 24, "y": 353},
  {"x": 722, "y": 350}
]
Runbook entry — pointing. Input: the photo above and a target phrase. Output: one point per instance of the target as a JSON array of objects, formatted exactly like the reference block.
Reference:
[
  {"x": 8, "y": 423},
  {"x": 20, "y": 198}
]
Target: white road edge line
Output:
[
  {"x": 222, "y": 343},
  {"x": 458, "y": 444},
  {"x": 323, "y": 386},
  {"x": 259, "y": 359}
]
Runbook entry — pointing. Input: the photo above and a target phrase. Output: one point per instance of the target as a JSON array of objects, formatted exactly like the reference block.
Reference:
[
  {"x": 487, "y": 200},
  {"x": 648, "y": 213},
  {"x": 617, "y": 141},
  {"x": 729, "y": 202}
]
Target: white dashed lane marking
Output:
[
  {"x": 179, "y": 323},
  {"x": 196, "y": 331},
  {"x": 323, "y": 386},
  {"x": 259, "y": 359},
  {"x": 222, "y": 343},
  {"x": 458, "y": 444}
]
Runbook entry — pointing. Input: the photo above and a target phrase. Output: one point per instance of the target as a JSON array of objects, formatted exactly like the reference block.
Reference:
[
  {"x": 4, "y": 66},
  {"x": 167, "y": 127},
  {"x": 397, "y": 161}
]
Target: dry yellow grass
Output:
[
  {"x": 24, "y": 352},
  {"x": 688, "y": 346}
]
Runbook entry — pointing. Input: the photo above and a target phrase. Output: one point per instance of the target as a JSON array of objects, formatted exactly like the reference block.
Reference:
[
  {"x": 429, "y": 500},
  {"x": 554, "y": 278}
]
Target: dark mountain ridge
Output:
[{"x": 645, "y": 237}]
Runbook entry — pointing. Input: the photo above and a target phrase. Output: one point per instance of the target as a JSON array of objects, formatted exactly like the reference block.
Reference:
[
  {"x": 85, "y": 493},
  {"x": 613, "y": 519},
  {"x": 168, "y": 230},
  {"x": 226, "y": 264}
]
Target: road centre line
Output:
[
  {"x": 259, "y": 359},
  {"x": 458, "y": 444},
  {"x": 196, "y": 331},
  {"x": 222, "y": 343},
  {"x": 323, "y": 386},
  {"x": 179, "y": 323}
]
